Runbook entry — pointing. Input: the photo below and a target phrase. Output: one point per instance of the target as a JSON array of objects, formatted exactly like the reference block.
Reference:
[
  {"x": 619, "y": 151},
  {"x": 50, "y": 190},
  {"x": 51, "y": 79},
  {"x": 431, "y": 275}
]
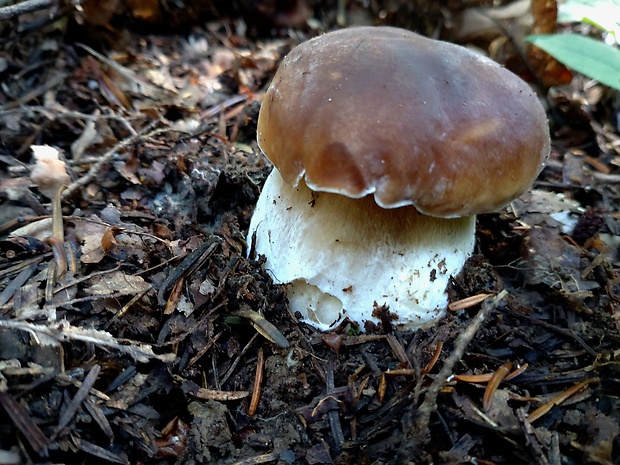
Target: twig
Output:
[
  {"x": 203, "y": 351},
  {"x": 332, "y": 415},
  {"x": 530, "y": 438},
  {"x": 95, "y": 170},
  {"x": 21, "y": 279},
  {"x": 22, "y": 8},
  {"x": 99, "y": 452},
  {"x": 62, "y": 113},
  {"x": 76, "y": 402},
  {"x": 565, "y": 332},
  {"x": 190, "y": 264},
  {"x": 21, "y": 418},
  {"x": 36, "y": 92},
  {"x": 233, "y": 367},
  {"x": 129, "y": 74},
  {"x": 418, "y": 435}
]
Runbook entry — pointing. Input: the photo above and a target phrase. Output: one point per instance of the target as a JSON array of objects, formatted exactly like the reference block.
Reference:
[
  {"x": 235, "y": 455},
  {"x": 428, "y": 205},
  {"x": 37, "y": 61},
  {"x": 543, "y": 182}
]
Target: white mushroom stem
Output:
[{"x": 348, "y": 257}]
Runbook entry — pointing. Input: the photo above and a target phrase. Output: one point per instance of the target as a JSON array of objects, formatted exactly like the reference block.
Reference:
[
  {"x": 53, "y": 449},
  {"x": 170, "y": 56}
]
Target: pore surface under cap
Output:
[{"x": 412, "y": 120}]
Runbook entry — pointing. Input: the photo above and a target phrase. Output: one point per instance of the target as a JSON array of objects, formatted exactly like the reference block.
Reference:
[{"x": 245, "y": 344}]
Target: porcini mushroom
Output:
[{"x": 385, "y": 145}]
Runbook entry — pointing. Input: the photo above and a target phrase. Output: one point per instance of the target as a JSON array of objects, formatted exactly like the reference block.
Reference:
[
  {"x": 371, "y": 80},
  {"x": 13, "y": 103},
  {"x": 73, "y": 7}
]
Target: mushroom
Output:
[
  {"x": 49, "y": 172},
  {"x": 385, "y": 145}
]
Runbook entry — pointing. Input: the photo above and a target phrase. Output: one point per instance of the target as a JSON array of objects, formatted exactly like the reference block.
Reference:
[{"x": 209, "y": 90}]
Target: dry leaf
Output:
[
  {"x": 145, "y": 10},
  {"x": 116, "y": 282},
  {"x": 91, "y": 235},
  {"x": 108, "y": 240},
  {"x": 501, "y": 31},
  {"x": 549, "y": 70}
]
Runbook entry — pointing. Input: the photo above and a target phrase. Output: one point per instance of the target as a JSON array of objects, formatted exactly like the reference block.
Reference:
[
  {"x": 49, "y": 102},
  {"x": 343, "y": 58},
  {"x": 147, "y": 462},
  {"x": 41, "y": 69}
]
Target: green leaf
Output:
[
  {"x": 604, "y": 14},
  {"x": 585, "y": 55}
]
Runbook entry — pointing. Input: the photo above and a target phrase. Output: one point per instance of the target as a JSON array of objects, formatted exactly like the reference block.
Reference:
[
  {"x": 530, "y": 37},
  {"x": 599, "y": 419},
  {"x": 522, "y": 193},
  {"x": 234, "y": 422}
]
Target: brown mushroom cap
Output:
[{"x": 412, "y": 120}]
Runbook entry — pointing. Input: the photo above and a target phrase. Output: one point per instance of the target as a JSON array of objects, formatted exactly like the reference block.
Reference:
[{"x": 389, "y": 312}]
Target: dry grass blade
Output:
[
  {"x": 398, "y": 350},
  {"x": 127, "y": 73},
  {"x": 128, "y": 305},
  {"x": 400, "y": 372},
  {"x": 75, "y": 403},
  {"x": 174, "y": 297},
  {"x": 190, "y": 264},
  {"x": 517, "y": 372},
  {"x": 557, "y": 400},
  {"x": 497, "y": 378},
  {"x": 204, "y": 350},
  {"x": 433, "y": 360},
  {"x": 265, "y": 458},
  {"x": 486, "y": 377},
  {"x": 234, "y": 364},
  {"x": 381, "y": 390},
  {"x": 63, "y": 331},
  {"x": 100, "y": 452},
  {"x": 24, "y": 275},
  {"x": 258, "y": 381},
  {"x": 24, "y": 423},
  {"x": 99, "y": 418},
  {"x": 264, "y": 327},
  {"x": 221, "y": 396},
  {"x": 467, "y": 302},
  {"x": 333, "y": 415}
]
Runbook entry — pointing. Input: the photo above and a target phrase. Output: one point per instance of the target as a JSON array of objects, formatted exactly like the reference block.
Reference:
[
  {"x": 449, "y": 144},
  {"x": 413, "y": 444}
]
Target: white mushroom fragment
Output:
[{"x": 49, "y": 172}]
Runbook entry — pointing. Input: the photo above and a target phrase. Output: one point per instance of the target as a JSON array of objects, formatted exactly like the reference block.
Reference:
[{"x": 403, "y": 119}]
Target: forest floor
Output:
[{"x": 134, "y": 330}]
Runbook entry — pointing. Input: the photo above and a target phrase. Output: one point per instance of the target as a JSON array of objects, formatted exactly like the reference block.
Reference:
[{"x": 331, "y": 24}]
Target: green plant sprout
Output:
[{"x": 593, "y": 58}]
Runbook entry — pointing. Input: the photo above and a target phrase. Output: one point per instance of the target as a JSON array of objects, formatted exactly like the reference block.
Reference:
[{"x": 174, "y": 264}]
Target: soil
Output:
[{"x": 133, "y": 329}]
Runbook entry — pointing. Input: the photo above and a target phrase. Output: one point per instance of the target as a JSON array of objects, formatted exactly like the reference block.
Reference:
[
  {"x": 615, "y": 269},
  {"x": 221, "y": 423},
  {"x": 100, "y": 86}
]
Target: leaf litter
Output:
[{"x": 133, "y": 329}]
